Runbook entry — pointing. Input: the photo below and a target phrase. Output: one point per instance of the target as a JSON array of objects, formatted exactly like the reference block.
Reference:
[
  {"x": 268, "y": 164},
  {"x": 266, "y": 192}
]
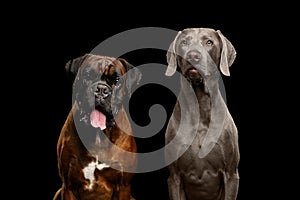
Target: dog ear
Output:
[
  {"x": 171, "y": 57},
  {"x": 73, "y": 65},
  {"x": 228, "y": 54},
  {"x": 133, "y": 78}
]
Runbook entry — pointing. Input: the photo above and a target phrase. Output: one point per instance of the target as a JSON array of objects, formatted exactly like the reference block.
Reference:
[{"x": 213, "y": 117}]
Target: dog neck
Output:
[
  {"x": 204, "y": 103},
  {"x": 211, "y": 104},
  {"x": 212, "y": 113},
  {"x": 122, "y": 121},
  {"x": 87, "y": 132}
]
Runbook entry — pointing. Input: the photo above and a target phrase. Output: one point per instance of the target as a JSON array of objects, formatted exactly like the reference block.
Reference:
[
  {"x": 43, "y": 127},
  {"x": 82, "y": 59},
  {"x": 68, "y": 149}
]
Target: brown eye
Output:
[
  {"x": 209, "y": 42},
  {"x": 184, "y": 42},
  {"x": 89, "y": 74},
  {"x": 118, "y": 81}
]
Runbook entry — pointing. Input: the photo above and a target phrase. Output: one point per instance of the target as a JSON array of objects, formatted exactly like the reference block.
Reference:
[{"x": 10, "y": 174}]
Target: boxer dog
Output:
[
  {"x": 207, "y": 168},
  {"x": 90, "y": 162}
]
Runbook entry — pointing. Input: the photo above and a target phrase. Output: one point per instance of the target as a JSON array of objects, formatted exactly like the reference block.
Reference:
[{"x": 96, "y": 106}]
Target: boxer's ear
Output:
[
  {"x": 73, "y": 65},
  {"x": 133, "y": 75},
  {"x": 228, "y": 54},
  {"x": 171, "y": 57}
]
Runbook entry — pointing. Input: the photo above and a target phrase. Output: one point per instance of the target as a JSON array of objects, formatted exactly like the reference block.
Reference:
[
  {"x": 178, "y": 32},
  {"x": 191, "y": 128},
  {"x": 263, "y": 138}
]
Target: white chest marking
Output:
[
  {"x": 89, "y": 170},
  {"x": 101, "y": 166}
]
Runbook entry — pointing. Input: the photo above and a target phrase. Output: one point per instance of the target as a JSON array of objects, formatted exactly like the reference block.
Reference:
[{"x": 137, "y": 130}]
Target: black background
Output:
[{"x": 45, "y": 38}]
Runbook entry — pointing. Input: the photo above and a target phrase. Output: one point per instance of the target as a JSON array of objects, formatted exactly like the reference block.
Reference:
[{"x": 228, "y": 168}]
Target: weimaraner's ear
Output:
[
  {"x": 228, "y": 54},
  {"x": 171, "y": 58}
]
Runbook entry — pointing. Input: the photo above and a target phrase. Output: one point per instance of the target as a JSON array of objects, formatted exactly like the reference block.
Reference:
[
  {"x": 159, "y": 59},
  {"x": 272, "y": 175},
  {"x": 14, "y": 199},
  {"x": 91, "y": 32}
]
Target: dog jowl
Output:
[
  {"x": 88, "y": 163},
  {"x": 208, "y": 169}
]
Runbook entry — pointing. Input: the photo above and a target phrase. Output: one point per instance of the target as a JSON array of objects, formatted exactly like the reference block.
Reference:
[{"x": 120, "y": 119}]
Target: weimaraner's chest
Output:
[{"x": 202, "y": 177}]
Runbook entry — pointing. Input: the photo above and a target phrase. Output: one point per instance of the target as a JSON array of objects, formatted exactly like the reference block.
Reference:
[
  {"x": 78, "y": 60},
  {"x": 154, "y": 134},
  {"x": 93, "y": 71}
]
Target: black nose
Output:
[
  {"x": 103, "y": 91},
  {"x": 194, "y": 56}
]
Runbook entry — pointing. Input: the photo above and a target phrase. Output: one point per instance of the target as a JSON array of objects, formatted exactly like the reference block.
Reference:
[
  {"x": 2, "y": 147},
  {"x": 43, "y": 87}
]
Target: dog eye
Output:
[
  {"x": 209, "y": 42},
  {"x": 89, "y": 73},
  {"x": 184, "y": 42},
  {"x": 118, "y": 81}
]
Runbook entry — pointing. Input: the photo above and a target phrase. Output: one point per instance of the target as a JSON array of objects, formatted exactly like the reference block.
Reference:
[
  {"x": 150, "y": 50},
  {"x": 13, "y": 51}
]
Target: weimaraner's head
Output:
[{"x": 204, "y": 49}]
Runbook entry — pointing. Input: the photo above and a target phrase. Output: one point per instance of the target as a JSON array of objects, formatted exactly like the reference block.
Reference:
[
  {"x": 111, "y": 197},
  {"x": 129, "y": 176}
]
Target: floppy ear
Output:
[
  {"x": 171, "y": 57},
  {"x": 72, "y": 66},
  {"x": 133, "y": 78},
  {"x": 228, "y": 54}
]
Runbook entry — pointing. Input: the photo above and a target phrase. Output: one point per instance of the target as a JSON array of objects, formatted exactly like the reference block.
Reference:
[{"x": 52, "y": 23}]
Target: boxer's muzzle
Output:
[
  {"x": 101, "y": 115},
  {"x": 102, "y": 95}
]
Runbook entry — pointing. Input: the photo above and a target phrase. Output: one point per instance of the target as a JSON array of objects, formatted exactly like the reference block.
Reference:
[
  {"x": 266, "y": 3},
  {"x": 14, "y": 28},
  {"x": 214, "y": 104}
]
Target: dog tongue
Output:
[{"x": 98, "y": 119}]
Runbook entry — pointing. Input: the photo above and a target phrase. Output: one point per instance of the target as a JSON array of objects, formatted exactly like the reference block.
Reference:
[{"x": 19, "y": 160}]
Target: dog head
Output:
[
  {"x": 100, "y": 84},
  {"x": 198, "y": 52}
]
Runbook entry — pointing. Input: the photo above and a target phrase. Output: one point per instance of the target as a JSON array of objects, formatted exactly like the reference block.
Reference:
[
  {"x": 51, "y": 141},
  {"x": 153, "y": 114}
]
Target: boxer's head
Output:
[{"x": 100, "y": 84}]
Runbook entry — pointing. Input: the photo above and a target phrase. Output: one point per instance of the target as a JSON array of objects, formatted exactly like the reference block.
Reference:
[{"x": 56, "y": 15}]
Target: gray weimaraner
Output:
[{"x": 206, "y": 135}]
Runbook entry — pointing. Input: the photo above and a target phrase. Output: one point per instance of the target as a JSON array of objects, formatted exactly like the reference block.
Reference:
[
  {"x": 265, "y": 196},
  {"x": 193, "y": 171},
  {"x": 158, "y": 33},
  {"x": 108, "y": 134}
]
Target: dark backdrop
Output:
[
  {"x": 79, "y": 38},
  {"x": 53, "y": 35}
]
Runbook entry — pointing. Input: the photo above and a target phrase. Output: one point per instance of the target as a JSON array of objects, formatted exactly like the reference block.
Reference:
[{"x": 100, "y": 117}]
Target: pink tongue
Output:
[{"x": 98, "y": 119}]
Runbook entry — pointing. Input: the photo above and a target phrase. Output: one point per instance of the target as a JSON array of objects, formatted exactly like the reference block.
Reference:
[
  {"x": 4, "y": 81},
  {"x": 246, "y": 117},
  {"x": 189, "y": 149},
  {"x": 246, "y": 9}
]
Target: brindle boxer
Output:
[
  {"x": 208, "y": 169},
  {"x": 89, "y": 165}
]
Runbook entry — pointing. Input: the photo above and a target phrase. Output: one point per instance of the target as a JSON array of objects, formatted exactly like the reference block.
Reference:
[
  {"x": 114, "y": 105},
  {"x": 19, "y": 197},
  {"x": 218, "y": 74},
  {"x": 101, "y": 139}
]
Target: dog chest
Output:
[
  {"x": 89, "y": 172},
  {"x": 208, "y": 185},
  {"x": 201, "y": 177}
]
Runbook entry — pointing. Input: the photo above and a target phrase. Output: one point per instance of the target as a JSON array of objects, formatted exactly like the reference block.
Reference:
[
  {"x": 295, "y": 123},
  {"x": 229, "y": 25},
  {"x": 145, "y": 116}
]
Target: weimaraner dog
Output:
[{"x": 206, "y": 135}]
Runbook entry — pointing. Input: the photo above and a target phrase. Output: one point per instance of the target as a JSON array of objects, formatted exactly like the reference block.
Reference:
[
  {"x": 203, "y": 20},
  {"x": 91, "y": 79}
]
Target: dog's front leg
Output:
[
  {"x": 67, "y": 195},
  {"x": 231, "y": 186},
  {"x": 57, "y": 195},
  {"x": 123, "y": 193},
  {"x": 175, "y": 186}
]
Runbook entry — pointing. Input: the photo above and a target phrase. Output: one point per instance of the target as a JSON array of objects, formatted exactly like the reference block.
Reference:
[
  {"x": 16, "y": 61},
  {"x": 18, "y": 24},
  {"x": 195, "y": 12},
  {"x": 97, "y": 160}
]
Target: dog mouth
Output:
[
  {"x": 101, "y": 116},
  {"x": 193, "y": 74},
  {"x": 195, "y": 77},
  {"x": 99, "y": 119}
]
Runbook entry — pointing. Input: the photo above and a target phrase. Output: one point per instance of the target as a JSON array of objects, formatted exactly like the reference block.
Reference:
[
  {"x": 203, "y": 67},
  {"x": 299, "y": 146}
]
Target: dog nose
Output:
[
  {"x": 103, "y": 91},
  {"x": 194, "y": 56}
]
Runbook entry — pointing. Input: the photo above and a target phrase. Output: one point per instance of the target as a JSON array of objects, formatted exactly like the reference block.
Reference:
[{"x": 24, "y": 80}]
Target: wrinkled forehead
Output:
[
  {"x": 199, "y": 34},
  {"x": 104, "y": 65}
]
